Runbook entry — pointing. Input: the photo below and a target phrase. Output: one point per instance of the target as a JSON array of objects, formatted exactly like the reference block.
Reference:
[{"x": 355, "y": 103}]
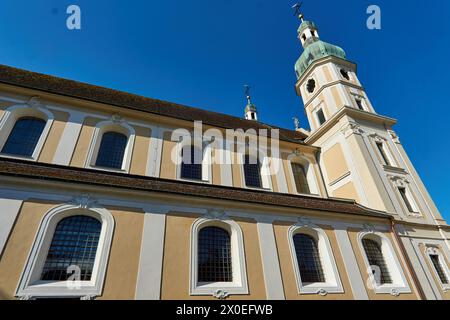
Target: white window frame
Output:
[
  {"x": 399, "y": 283},
  {"x": 239, "y": 285},
  {"x": 349, "y": 72},
  {"x": 310, "y": 174},
  {"x": 14, "y": 113},
  {"x": 317, "y": 116},
  {"x": 206, "y": 159},
  {"x": 31, "y": 287},
  {"x": 332, "y": 282},
  {"x": 384, "y": 144},
  {"x": 115, "y": 125},
  {"x": 402, "y": 182},
  {"x": 432, "y": 250},
  {"x": 265, "y": 173},
  {"x": 410, "y": 199}
]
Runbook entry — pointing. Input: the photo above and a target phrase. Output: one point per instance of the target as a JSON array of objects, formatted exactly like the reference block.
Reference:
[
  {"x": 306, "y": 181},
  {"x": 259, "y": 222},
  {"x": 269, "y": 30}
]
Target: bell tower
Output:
[
  {"x": 361, "y": 157},
  {"x": 331, "y": 84}
]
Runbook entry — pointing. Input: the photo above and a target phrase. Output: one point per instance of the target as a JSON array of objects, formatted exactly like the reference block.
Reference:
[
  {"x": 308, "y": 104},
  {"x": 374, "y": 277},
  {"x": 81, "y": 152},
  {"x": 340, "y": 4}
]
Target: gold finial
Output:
[{"x": 297, "y": 8}]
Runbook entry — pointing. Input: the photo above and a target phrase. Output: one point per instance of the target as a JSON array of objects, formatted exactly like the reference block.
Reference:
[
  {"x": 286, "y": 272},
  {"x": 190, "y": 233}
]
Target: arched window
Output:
[
  {"x": 308, "y": 259},
  {"x": 214, "y": 255},
  {"x": 300, "y": 178},
  {"x": 375, "y": 257},
  {"x": 24, "y": 136},
  {"x": 112, "y": 150},
  {"x": 191, "y": 163},
  {"x": 252, "y": 172},
  {"x": 74, "y": 243}
]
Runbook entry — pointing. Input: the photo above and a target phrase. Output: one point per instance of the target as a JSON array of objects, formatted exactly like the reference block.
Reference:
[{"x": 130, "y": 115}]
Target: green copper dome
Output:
[{"x": 315, "y": 51}]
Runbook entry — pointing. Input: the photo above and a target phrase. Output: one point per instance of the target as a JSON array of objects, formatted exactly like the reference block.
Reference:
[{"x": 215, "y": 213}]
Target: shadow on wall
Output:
[{"x": 3, "y": 295}]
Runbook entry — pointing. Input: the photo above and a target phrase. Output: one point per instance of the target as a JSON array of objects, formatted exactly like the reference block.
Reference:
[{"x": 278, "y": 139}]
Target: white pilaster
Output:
[
  {"x": 155, "y": 153},
  {"x": 269, "y": 256},
  {"x": 9, "y": 209},
  {"x": 69, "y": 138},
  {"x": 351, "y": 265},
  {"x": 429, "y": 288},
  {"x": 148, "y": 286}
]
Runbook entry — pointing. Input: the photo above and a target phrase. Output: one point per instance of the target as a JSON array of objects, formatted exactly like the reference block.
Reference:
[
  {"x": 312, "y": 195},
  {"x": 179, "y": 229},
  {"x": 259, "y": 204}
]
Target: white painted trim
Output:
[
  {"x": 239, "y": 284},
  {"x": 30, "y": 285},
  {"x": 206, "y": 160},
  {"x": 399, "y": 283},
  {"x": 149, "y": 279},
  {"x": 422, "y": 271},
  {"x": 332, "y": 282},
  {"x": 113, "y": 125},
  {"x": 350, "y": 263},
  {"x": 269, "y": 257},
  {"x": 69, "y": 138},
  {"x": 266, "y": 181},
  {"x": 14, "y": 113},
  {"x": 432, "y": 250},
  {"x": 155, "y": 153},
  {"x": 9, "y": 209},
  {"x": 310, "y": 175}
]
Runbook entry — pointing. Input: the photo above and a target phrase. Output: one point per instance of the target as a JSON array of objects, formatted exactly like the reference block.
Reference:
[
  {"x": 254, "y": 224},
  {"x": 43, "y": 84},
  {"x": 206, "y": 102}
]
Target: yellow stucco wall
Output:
[
  {"x": 176, "y": 276},
  {"x": 168, "y": 167},
  {"x": 54, "y": 136},
  {"x": 84, "y": 141},
  {"x": 121, "y": 272},
  {"x": 334, "y": 162},
  {"x": 140, "y": 151},
  {"x": 347, "y": 191}
]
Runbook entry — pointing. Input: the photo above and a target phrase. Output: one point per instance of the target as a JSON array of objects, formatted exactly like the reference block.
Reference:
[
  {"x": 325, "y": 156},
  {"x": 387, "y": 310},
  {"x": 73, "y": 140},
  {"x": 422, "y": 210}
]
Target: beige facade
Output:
[{"x": 343, "y": 196}]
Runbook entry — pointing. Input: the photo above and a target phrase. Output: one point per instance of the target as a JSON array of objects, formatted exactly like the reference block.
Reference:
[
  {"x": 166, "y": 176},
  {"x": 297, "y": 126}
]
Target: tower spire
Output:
[
  {"x": 250, "y": 109},
  {"x": 297, "y": 7}
]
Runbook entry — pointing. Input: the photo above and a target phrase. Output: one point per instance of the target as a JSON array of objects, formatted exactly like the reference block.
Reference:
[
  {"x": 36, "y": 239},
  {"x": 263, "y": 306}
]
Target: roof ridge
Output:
[{"x": 92, "y": 92}]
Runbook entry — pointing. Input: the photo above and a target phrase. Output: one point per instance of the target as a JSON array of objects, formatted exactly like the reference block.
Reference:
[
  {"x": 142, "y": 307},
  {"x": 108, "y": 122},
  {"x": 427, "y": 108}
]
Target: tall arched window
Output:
[
  {"x": 375, "y": 257},
  {"x": 300, "y": 178},
  {"x": 214, "y": 255},
  {"x": 252, "y": 172},
  {"x": 74, "y": 243},
  {"x": 191, "y": 163},
  {"x": 24, "y": 136},
  {"x": 112, "y": 150},
  {"x": 308, "y": 258}
]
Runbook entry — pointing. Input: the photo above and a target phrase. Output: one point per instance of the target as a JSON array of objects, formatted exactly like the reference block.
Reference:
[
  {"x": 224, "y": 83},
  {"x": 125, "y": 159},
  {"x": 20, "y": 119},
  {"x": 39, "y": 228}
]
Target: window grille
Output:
[
  {"x": 375, "y": 257},
  {"x": 308, "y": 259},
  {"x": 438, "y": 267},
  {"x": 252, "y": 172},
  {"x": 24, "y": 137},
  {"x": 74, "y": 243},
  {"x": 191, "y": 164},
  {"x": 301, "y": 181},
  {"x": 112, "y": 150},
  {"x": 214, "y": 255}
]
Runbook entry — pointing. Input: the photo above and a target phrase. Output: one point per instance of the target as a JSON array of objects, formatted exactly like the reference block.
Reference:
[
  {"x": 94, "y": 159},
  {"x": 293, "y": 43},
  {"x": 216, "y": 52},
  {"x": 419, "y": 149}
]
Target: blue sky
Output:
[{"x": 201, "y": 53}]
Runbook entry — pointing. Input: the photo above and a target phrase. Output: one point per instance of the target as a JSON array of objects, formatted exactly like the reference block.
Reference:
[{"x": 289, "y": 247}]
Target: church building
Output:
[{"x": 110, "y": 195}]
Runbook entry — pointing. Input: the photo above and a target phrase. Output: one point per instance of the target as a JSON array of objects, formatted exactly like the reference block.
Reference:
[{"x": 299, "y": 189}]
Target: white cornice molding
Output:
[{"x": 355, "y": 115}]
